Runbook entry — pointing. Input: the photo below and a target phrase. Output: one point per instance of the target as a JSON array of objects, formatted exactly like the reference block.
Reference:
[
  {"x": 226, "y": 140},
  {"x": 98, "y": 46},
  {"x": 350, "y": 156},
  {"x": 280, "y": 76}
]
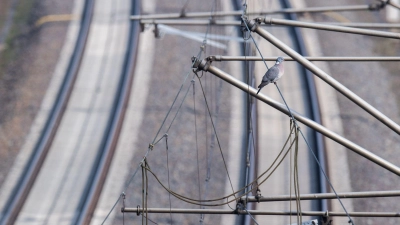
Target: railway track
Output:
[
  {"x": 103, "y": 153},
  {"x": 25, "y": 183}
]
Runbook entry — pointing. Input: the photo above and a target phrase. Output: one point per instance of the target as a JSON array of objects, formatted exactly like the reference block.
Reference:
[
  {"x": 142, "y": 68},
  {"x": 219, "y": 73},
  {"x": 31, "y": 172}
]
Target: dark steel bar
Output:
[
  {"x": 138, "y": 211},
  {"x": 318, "y": 26},
  {"x": 367, "y": 194},
  {"x": 204, "y": 65},
  {"x": 328, "y": 79},
  {"x": 322, "y": 58},
  {"x": 239, "y": 12}
]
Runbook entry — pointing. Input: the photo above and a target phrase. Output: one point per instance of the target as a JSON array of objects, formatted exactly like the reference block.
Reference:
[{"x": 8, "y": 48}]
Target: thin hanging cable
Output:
[
  {"x": 179, "y": 108},
  {"x": 294, "y": 120},
  {"x": 197, "y": 145},
  {"x": 155, "y": 137},
  {"x": 290, "y": 176},
  {"x": 169, "y": 185},
  {"x": 216, "y": 135},
  {"x": 254, "y": 220},
  {"x": 255, "y": 44},
  {"x": 193, "y": 201},
  {"x": 296, "y": 178},
  {"x": 196, "y": 202},
  {"x": 310, "y": 149},
  {"x": 126, "y": 186}
]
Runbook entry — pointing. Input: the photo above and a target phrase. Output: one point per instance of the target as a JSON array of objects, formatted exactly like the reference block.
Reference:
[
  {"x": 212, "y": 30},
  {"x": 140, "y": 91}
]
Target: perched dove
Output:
[{"x": 273, "y": 74}]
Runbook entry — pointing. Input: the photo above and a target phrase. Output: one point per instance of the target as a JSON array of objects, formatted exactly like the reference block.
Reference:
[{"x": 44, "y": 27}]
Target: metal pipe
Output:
[
  {"x": 203, "y": 65},
  {"x": 394, "y": 4},
  {"x": 190, "y": 22},
  {"x": 367, "y": 194},
  {"x": 139, "y": 210},
  {"x": 330, "y": 27},
  {"x": 328, "y": 79},
  {"x": 367, "y": 25},
  {"x": 323, "y": 58},
  {"x": 240, "y": 12},
  {"x": 238, "y": 23}
]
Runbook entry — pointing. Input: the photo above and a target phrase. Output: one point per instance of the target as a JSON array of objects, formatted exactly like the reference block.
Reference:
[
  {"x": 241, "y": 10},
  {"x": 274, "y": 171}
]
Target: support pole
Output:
[
  {"x": 323, "y": 58},
  {"x": 139, "y": 210},
  {"x": 370, "y": 7},
  {"x": 205, "y": 65},
  {"x": 343, "y": 195},
  {"x": 205, "y": 22},
  {"x": 274, "y": 21},
  {"x": 324, "y": 76}
]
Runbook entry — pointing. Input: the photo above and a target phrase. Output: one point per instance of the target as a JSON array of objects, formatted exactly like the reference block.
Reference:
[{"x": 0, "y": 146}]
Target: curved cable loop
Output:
[{"x": 195, "y": 201}]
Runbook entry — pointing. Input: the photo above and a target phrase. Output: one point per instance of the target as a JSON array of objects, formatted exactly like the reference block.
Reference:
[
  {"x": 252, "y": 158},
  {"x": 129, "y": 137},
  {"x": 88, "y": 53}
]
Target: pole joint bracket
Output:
[{"x": 199, "y": 65}]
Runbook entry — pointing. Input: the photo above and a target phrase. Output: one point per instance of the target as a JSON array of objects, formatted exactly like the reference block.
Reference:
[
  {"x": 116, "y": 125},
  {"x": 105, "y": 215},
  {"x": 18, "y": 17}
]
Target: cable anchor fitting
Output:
[
  {"x": 199, "y": 65},
  {"x": 258, "y": 195},
  {"x": 378, "y": 5},
  {"x": 151, "y": 146}
]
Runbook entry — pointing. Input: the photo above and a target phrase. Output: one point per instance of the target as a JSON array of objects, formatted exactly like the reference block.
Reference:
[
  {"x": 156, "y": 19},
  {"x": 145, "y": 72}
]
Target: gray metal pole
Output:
[
  {"x": 238, "y": 23},
  {"x": 367, "y": 194},
  {"x": 138, "y": 211},
  {"x": 324, "y": 58},
  {"x": 330, "y": 27},
  {"x": 204, "y": 65},
  {"x": 239, "y": 12},
  {"x": 328, "y": 79},
  {"x": 394, "y": 4}
]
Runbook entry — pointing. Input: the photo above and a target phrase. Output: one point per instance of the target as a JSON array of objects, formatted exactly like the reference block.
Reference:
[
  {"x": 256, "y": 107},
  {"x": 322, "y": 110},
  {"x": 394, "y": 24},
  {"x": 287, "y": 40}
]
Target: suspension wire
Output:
[
  {"x": 196, "y": 202},
  {"x": 193, "y": 201},
  {"x": 197, "y": 145},
  {"x": 208, "y": 158},
  {"x": 150, "y": 220},
  {"x": 296, "y": 179},
  {"x": 290, "y": 176},
  {"x": 183, "y": 10},
  {"x": 310, "y": 149},
  {"x": 127, "y": 185},
  {"x": 255, "y": 44},
  {"x": 294, "y": 120},
  {"x": 202, "y": 48},
  {"x": 169, "y": 185},
  {"x": 216, "y": 135},
  {"x": 251, "y": 216}
]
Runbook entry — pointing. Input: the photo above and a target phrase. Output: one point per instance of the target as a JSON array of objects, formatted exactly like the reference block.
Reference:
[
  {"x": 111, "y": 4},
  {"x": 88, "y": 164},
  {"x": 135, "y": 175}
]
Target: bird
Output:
[{"x": 273, "y": 74}]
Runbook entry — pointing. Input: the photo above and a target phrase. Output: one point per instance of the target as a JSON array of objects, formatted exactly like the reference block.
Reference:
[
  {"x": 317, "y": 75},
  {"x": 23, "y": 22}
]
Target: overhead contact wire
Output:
[{"x": 294, "y": 120}]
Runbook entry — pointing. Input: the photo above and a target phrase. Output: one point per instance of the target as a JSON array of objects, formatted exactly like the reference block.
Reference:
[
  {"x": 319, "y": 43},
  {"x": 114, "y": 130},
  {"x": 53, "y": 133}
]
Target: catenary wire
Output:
[
  {"x": 192, "y": 201},
  {"x": 155, "y": 137},
  {"x": 169, "y": 185},
  {"x": 291, "y": 115}
]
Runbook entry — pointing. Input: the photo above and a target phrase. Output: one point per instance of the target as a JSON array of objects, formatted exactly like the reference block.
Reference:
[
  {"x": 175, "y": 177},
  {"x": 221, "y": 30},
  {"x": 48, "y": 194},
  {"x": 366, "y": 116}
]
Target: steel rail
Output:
[
  {"x": 31, "y": 170},
  {"x": 310, "y": 58},
  {"x": 107, "y": 148},
  {"x": 205, "y": 65},
  {"x": 316, "y": 196},
  {"x": 238, "y": 23},
  {"x": 328, "y": 79},
  {"x": 319, "y": 26},
  {"x": 370, "y": 7},
  {"x": 138, "y": 211}
]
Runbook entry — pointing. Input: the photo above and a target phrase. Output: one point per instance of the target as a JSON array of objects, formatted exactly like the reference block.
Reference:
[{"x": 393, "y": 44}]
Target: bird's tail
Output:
[{"x": 258, "y": 91}]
